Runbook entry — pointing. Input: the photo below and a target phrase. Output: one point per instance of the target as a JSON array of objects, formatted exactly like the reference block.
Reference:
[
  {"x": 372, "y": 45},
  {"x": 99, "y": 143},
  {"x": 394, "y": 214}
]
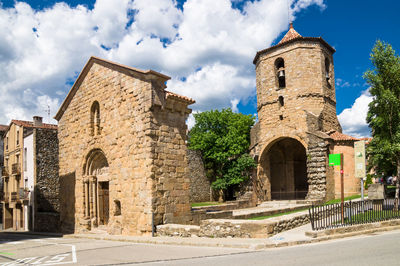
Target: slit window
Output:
[{"x": 281, "y": 101}]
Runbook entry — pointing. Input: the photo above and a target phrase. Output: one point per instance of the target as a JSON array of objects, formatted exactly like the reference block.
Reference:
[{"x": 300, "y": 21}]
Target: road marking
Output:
[{"x": 46, "y": 260}]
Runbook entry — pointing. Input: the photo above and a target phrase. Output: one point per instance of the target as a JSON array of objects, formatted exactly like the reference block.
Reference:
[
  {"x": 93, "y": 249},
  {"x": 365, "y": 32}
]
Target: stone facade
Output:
[
  {"x": 123, "y": 150},
  {"x": 200, "y": 189},
  {"x": 296, "y": 106}
]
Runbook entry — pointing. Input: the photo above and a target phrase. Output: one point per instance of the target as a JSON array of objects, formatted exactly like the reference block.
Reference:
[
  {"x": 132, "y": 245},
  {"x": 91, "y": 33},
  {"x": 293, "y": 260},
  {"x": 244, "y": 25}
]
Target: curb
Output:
[{"x": 252, "y": 246}]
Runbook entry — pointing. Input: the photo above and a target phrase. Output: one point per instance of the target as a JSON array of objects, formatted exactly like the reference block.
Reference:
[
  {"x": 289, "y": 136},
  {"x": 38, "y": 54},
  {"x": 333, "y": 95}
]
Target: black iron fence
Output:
[{"x": 353, "y": 212}]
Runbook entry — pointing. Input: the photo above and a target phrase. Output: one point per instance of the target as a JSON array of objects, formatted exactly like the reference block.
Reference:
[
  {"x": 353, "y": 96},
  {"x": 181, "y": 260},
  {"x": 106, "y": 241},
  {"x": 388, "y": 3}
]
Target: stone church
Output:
[
  {"x": 122, "y": 151},
  {"x": 298, "y": 127}
]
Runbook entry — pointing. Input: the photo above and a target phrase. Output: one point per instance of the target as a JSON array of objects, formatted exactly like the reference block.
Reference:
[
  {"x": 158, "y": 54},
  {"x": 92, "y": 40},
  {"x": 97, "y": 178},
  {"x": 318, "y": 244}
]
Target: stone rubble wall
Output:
[
  {"x": 236, "y": 228},
  {"x": 200, "y": 188},
  {"x": 316, "y": 170},
  {"x": 47, "y": 201}
]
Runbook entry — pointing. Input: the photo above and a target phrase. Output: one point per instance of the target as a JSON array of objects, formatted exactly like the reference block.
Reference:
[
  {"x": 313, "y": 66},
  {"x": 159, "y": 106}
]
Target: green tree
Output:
[
  {"x": 384, "y": 110},
  {"x": 223, "y": 137}
]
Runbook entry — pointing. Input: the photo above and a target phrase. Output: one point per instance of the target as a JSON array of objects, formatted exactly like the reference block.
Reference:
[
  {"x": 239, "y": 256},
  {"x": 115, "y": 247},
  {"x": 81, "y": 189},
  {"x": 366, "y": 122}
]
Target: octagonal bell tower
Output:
[{"x": 296, "y": 107}]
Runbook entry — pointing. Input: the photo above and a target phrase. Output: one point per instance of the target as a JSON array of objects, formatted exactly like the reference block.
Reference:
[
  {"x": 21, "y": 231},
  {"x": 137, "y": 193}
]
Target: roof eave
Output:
[{"x": 269, "y": 49}]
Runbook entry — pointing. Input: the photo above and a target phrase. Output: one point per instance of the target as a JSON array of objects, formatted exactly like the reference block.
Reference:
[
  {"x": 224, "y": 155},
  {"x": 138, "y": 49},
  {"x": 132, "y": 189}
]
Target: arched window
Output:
[
  {"x": 95, "y": 118},
  {"x": 280, "y": 72},
  {"x": 327, "y": 70}
]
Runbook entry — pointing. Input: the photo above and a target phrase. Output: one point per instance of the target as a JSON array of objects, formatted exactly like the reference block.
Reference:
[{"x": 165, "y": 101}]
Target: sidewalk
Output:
[{"x": 296, "y": 236}]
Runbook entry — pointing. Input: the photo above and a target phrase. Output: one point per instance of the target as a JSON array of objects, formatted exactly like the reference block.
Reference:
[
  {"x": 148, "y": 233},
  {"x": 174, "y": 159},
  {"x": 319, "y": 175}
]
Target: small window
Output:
[
  {"x": 7, "y": 143},
  {"x": 281, "y": 117},
  {"x": 17, "y": 137},
  {"x": 95, "y": 119},
  {"x": 280, "y": 72},
  {"x": 281, "y": 101},
  {"x": 117, "y": 208}
]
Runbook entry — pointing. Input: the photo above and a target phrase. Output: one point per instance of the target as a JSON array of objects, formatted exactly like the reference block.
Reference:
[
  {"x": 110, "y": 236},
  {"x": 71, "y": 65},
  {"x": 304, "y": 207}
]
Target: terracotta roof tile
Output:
[
  {"x": 180, "y": 97},
  {"x": 290, "y": 35},
  {"x": 30, "y": 124},
  {"x": 3, "y": 127},
  {"x": 341, "y": 137}
]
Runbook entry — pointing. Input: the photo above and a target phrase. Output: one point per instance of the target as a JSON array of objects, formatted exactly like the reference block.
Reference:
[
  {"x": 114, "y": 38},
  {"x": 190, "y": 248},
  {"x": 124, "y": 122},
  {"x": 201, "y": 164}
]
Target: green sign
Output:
[{"x": 334, "y": 159}]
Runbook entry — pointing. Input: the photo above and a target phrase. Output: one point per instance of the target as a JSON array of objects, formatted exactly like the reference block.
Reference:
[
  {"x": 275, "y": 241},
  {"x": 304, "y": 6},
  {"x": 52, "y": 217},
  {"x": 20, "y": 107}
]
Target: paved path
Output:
[{"x": 374, "y": 249}]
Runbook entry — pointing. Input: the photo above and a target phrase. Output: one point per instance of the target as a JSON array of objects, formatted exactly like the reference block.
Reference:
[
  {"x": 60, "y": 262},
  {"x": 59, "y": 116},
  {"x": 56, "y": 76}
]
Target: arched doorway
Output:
[
  {"x": 284, "y": 170},
  {"x": 96, "y": 188}
]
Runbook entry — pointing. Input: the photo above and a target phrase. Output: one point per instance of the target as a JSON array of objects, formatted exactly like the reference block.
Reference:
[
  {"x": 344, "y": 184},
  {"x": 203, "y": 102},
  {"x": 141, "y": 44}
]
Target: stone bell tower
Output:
[{"x": 296, "y": 107}]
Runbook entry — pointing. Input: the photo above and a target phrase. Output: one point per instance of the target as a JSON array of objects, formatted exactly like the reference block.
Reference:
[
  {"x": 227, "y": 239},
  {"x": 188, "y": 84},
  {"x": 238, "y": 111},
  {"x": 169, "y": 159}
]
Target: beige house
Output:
[
  {"x": 122, "y": 154},
  {"x": 296, "y": 107},
  {"x": 18, "y": 196}
]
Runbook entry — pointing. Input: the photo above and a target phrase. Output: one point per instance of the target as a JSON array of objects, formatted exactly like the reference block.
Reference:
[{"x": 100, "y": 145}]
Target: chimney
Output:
[{"x": 37, "y": 121}]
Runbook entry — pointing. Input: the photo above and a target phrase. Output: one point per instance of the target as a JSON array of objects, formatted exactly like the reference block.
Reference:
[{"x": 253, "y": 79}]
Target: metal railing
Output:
[{"x": 354, "y": 212}]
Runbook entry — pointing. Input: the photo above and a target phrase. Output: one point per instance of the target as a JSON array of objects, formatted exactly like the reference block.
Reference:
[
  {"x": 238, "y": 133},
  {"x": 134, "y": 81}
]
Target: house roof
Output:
[
  {"x": 337, "y": 136},
  {"x": 148, "y": 73},
  {"x": 3, "y": 127},
  {"x": 290, "y": 37},
  {"x": 30, "y": 124},
  {"x": 179, "y": 97}
]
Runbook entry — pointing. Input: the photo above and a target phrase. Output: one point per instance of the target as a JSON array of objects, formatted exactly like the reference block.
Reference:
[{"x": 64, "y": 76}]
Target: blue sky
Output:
[{"x": 206, "y": 47}]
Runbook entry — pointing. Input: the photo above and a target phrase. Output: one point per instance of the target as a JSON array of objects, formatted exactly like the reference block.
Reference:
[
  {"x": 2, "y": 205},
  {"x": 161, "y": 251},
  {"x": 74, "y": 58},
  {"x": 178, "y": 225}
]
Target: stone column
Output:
[
  {"x": 87, "y": 199},
  {"x": 94, "y": 192},
  {"x": 90, "y": 197},
  {"x": 84, "y": 197}
]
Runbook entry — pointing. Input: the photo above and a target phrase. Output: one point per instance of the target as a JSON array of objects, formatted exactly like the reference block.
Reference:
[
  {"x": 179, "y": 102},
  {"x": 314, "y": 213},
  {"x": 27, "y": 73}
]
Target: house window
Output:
[
  {"x": 280, "y": 72},
  {"x": 17, "y": 137},
  {"x": 7, "y": 143},
  {"x": 95, "y": 119}
]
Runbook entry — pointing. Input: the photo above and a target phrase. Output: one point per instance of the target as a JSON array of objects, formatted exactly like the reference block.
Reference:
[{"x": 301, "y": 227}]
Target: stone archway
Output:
[
  {"x": 283, "y": 170},
  {"x": 96, "y": 188}
]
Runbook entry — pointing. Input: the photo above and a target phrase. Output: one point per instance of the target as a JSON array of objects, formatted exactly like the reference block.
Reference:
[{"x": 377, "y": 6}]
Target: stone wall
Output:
[
  {"x": 236, "y": 228},
  {"x": 303, "y": 110},
  {"x": 199, "y": 183},
  {"x": 140, "y": 136},
  {"x": 47, "y": 202}
]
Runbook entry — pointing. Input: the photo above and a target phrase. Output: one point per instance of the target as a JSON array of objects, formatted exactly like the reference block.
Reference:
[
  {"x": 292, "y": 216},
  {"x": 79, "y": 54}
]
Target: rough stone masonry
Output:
[{"x": 122, "y": 149}]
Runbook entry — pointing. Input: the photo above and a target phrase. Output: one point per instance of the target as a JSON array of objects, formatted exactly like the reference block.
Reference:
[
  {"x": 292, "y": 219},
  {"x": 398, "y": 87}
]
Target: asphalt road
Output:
[{"x": 16, "y": 249}]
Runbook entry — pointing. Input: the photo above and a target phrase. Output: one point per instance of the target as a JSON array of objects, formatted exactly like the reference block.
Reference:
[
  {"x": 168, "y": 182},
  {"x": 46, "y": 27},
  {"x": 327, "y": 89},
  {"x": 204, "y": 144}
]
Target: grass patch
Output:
[
  {"x": 345, "y": 199},
  {"x": 276, "y": 215},
  {"x": 373, "y": 216},
  {"x": 209, "y": 203}
]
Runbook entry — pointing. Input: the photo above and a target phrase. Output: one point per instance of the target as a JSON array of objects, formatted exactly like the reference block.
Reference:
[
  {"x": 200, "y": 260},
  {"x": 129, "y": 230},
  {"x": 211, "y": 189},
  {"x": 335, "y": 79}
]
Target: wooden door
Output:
[{"x": 104, "y": 204}]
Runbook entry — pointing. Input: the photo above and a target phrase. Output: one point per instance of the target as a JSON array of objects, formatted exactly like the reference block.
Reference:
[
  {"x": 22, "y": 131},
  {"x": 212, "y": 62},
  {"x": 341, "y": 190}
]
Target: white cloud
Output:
[
  {"x": 353, "y": 120},
  {"x": 207, "y": 47}
]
